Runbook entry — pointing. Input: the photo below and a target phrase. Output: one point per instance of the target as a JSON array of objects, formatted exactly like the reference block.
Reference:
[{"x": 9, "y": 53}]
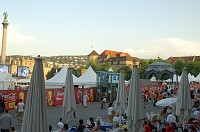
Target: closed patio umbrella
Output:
[
  {"x": 120, "y": 103},
  {"x": 69, "y": 104},
  {"x": 184, "y": 103},
  {"x": 35, "y": 115},
  {"x": 136, "y": 112}
]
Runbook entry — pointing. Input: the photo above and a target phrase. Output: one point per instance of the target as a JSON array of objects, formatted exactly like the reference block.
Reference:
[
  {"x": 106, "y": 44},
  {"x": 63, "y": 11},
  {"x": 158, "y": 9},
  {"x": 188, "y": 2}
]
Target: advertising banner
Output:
[
  {"x": 49, "y": 97},
  {"x": 58, "y": 96}
]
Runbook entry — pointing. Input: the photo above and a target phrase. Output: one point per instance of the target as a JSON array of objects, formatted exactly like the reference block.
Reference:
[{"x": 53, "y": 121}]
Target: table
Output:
[{"x": 105, "y": 125}]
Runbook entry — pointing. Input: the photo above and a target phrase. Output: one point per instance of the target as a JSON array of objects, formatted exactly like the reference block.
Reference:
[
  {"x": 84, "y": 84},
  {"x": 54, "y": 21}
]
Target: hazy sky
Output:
[{"x": 143, "y": 28}]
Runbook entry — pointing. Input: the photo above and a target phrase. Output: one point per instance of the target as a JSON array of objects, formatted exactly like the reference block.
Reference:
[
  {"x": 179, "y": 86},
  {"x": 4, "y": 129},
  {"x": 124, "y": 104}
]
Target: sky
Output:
[{"x": 143, "y": 28}]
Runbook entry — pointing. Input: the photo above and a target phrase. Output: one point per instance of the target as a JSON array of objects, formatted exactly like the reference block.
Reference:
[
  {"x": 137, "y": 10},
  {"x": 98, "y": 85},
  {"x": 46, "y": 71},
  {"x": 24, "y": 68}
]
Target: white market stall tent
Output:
[
  {"x": 88, "y": 79},
  {"x": 58, "y": 81},
  {"x": 191, "y": 78},
  {"x": 198, "y": 77},
  {"x": 6, "y": 81}
]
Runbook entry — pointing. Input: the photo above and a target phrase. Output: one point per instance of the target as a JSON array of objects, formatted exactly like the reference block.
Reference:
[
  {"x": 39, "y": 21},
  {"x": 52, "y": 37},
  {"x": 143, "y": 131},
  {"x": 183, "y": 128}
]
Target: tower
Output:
[{"x": 4, "y": 36}]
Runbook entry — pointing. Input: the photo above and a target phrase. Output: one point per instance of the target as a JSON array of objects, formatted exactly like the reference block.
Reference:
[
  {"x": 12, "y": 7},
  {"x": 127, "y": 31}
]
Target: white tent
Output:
[
  {"x": 110, "y": 69},
  {"x": 198, "y": 77},
  {"x": 6, "y": 81},
  {"x": 191, "y": 78},
  {"x": 58, "y": 81},
  {"x": 174, "y": 79},
  {"x": 88, "y": 79}
]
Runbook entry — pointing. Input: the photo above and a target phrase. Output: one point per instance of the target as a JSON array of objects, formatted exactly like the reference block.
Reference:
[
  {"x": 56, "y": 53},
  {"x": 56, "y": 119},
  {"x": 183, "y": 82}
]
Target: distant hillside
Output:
[{"x": 73, "y": 61}]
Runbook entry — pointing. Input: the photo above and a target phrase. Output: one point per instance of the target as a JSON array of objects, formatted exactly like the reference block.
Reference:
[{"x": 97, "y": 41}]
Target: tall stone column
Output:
[{"x": 4, "y": 36}]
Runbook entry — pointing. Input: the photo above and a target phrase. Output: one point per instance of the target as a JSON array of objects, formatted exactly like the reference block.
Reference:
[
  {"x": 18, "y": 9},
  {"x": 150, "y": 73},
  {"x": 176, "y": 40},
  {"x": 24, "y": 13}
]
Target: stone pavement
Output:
[{"x": 93, "y": 110}]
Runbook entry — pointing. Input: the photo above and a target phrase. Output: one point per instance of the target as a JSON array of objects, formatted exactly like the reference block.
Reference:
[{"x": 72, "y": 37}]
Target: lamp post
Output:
[
  {"x": 111, "y": 90},
  {"x": 82, "y": 94}
]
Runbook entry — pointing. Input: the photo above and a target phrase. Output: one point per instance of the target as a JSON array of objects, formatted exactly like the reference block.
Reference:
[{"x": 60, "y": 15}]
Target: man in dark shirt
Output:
[
  {"x": 80, "y": 126},
  {"x": 2, "y": 105},
  {"x": 92, "y": 124},
  {"x": 5, "y": 121}
]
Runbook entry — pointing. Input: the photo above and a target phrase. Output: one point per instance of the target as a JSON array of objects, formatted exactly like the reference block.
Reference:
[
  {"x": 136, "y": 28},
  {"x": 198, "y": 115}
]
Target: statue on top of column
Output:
[{"x": 5, "y": 14}]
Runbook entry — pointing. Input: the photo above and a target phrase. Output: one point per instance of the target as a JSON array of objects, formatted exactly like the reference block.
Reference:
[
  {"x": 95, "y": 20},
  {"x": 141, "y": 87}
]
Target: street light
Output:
[{"x": 82, "y": 94}]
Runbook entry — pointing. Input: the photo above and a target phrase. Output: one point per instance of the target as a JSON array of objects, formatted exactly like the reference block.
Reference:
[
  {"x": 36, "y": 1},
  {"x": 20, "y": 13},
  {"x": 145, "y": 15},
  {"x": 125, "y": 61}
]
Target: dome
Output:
[
  {"x": 159, "y": 69},
  {"x": 160, "y": 66}
]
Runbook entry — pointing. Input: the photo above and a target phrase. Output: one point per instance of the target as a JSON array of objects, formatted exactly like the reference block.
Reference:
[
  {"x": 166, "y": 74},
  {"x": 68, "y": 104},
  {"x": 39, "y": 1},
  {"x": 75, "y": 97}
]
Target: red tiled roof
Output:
[
  {"x": 111, "y": 53},
  {"x": 186, "y": 59},
  {"x": 122, "y": 58},
  {"x": 93, "y": 53}
]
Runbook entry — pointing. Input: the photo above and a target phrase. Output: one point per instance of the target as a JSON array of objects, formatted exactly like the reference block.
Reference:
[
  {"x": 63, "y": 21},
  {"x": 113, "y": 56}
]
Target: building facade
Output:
[
  {"x": 185, "y": 59},
  {"x": 28, "y": 61},
  {"x": 114, "y": 58}
]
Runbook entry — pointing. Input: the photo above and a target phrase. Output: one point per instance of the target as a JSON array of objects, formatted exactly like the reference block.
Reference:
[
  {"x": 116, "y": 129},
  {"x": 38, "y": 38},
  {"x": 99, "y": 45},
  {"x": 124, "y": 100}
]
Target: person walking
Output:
[
  {"x": 5, "y": 121},
  {"x": 20, "y": 112}
]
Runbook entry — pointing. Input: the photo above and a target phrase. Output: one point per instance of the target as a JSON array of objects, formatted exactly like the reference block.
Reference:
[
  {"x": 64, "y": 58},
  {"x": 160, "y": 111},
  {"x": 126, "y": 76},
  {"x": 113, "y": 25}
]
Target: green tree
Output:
[
  {"x": 156, "y": 60},
  {"x": 193, "y": 68},
  {"x": 127, "y": 72},
  {"x": 52, "y": 72},
  {"x": 178, "y": 66},
  {"x": 76, "y": 72},
  {"x": 142, "y": 67},
  {"x": 93, "y": 64},
  {"x": 105, "y": 67}
]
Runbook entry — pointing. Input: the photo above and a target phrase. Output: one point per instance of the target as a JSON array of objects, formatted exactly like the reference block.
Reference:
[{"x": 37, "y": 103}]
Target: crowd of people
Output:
[
  {"x": 166, "y": 120},
  {"x": 90, "y": 126}
]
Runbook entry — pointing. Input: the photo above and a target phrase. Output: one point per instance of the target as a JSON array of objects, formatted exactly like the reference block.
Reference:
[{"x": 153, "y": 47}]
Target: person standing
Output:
[
  {"x": 3, "y": 105},
  {"x": 20, "y": 111},
  {"x": 102, "y": 97},
  {"x": 5, "y": 121},
  {"x": 0, "y": 103},
  {"x": 110, "y": 112},
  {"x": 85, "y": 96}
]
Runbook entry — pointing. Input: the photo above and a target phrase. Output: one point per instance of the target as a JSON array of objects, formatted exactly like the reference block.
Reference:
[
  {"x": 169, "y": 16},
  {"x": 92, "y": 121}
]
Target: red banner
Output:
[
  {"x": 58, "y": 96},
  {"x": 10, "y": 98},
  {"x": 90, "y": 92}
]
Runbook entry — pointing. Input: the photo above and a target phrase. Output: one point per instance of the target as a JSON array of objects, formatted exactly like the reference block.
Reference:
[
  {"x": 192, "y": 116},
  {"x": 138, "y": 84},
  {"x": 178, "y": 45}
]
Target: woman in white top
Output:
[
  {"x": 110, "y": 113},
  {"x": 20, "y": 112},
  {"x": 85, "y": 97}
]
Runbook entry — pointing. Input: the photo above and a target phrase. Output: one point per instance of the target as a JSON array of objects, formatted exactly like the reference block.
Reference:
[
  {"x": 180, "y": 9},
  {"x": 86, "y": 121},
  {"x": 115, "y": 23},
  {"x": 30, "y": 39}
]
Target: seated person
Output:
[
  {"x": 12, "y": 129},
  {"x": 196, "y": 114},
  {"x": 50, "y": 128},
  {"x": 65, "y": 128},
  {"x": 60, "y": 123},
  {"x": 116, "y": 119},
  {"x": 91, "y": 123},
  {"x": 191, "y": 122},
  {"x": 146, "y": 127},
  {"x": 117, "y": 128},
  {"x": 96, "y": 127},
  {"x": 125, "y": 127},
  {"x": 171, "y": 119},
  {"x": 170, "y": 127},
  {"x": 80, "y": 126},
  {"x": 193, "y": 129}
]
